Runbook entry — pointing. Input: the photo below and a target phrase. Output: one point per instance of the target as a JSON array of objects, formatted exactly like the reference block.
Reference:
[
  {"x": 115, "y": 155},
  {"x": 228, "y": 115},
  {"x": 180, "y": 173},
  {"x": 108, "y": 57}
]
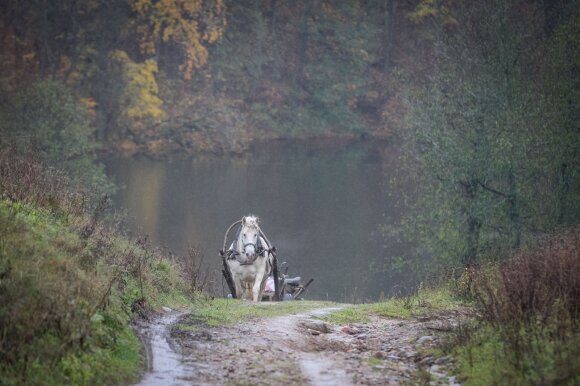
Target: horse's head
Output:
[{"x": 249, "y": 236}]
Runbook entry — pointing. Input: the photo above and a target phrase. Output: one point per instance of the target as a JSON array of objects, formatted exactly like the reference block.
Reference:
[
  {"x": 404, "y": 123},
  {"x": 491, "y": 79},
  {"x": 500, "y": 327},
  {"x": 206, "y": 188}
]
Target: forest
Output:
[
  {"x": 485, "y": 96},
  {"x": 474, "y": 108},
  {"x": 157, "y": 77}
]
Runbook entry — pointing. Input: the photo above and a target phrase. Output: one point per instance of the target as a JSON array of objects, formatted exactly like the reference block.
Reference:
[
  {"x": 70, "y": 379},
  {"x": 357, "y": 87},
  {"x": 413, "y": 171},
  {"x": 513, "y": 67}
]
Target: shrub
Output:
[
  {"x": 192, "y": 267},
  {"x": 68, "y": 283},
  {"x": 47, "y": 116},
  {"x": 23, "y": 177},
  {"x": 535, "y": 283},
  {"x": 530, "y": 317}
]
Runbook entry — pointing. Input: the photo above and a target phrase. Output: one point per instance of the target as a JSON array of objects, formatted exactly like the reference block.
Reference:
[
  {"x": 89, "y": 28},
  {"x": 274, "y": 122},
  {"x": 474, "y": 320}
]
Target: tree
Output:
[
  {"x": 49, "y": 117},
  {"x": 140, "y": 105},
  {"x": 480, "y": 134},
  {"x": 180, "y": 23},
  {"x": 563, "y": 88}
]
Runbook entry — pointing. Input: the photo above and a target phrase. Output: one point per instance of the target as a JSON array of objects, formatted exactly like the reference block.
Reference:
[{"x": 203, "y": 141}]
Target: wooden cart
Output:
[
  {"x": 283, "y": 285},
  {"x": 226, "y": 269}
]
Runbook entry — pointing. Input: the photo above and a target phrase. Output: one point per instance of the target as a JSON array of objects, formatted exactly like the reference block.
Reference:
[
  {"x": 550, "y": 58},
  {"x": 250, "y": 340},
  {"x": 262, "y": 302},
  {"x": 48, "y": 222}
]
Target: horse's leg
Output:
[
  {"x": 239, "y": 289},
  {"x": 256, "y": 290},
  {"x": 246, "y": 290},
  {"x": 259, "y": 283},
  {"x": 262, "y": 286}
]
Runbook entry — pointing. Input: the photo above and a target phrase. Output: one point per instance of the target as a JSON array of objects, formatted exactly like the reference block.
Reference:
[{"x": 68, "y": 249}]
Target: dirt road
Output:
[{"x": 301, "y": 349}]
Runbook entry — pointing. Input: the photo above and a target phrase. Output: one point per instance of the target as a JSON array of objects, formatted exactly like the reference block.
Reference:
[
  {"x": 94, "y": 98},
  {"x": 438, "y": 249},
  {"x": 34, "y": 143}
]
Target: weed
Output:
[
  {"x": 68, "y": 283},
  {"x": 424, "y": 301},
  {"x": 192, "y": 267},
  {"x": 530, "y": 317}
]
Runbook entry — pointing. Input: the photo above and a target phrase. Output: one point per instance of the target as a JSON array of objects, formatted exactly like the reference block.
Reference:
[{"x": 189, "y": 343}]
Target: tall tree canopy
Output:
[{"x": 493, "y": 147}]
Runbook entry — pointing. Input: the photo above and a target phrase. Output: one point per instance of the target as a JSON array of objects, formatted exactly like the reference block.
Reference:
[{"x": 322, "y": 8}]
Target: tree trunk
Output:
[
  {"x": 514, "y": 213},
  {"x": 389, "y": 34},
  {"x": 473, "y": 231},
  {"x": 473, "y": 224},
  {"x": 277, "y": 65}
]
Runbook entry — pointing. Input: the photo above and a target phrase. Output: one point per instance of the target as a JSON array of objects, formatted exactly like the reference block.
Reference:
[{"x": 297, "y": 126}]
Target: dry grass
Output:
[
  {"x": 68, "y": 283},
  {"x": 543, "y": 283},
  {"x": 25, "y": 178},
  {"x": 530, "y": 316}
]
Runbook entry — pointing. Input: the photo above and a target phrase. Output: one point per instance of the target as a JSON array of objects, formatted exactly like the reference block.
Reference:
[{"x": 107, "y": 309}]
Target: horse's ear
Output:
[{"x": 244, "y": 220}]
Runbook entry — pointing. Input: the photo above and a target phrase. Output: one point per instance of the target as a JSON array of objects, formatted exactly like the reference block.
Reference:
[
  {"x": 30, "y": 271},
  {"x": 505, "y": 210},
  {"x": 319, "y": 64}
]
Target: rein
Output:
[
  {"x": 229, "y": 256},
  {"x": 259, "y": 251}
]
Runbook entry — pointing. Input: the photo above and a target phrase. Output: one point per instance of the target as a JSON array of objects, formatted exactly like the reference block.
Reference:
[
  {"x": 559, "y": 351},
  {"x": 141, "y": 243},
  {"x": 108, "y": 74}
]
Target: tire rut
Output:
[{"x": 301, "y": 349}]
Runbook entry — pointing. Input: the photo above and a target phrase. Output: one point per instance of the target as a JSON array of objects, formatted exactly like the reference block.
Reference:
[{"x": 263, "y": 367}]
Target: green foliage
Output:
[
  {"x": 484, "y": 143},
  {"x": 564, "y": 92},
  {"x": 529, "y": 313},
  {"x": 68, "y": 285},
  {"x": 216, "y": 75},
  {"x": 336, "y": 44},
  {"x": 46, "y": 115}
]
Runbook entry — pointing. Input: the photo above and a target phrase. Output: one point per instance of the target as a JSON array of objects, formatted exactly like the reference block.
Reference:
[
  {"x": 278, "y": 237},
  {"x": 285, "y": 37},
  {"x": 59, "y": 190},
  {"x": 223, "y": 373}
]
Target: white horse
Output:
[{"x": 250, "y": 261}]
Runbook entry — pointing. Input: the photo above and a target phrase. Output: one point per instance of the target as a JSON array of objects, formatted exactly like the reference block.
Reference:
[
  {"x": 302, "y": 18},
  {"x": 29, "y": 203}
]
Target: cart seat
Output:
[{"x": 293, "y": 280}]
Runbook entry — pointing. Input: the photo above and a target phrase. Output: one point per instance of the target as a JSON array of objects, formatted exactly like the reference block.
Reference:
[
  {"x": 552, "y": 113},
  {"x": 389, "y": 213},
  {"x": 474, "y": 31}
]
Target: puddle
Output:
[
  {"x": 165, "y": 366},
  {"x": 323, "y": 371}
]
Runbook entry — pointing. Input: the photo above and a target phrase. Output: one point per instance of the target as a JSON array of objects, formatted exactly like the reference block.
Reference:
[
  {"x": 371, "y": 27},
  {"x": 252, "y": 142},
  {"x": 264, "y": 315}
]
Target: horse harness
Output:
[{"x": 258, "y": 247}]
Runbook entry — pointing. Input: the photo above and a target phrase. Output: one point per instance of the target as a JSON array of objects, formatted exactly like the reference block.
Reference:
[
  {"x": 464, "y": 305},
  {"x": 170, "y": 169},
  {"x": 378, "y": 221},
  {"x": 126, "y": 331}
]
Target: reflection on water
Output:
[{"x": 321, "y": 210}]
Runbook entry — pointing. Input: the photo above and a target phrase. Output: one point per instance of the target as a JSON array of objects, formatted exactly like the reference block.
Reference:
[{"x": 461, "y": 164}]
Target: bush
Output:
[
  {"x": 68, "y": 284},
  {"x": 47, "y": 116},
  {"x": 530, "y": 317},
  {"x": 539, "y": 283},
  {"x": 24, "y": 178}
]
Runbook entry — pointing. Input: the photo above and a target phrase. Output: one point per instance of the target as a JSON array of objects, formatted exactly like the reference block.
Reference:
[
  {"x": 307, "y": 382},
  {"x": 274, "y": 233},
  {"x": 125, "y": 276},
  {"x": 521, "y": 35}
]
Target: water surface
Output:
[{"x": 322, "y": 209}]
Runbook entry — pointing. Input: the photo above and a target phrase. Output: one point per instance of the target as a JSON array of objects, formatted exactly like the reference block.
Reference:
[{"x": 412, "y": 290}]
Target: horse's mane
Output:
[{"x": 252, "y": 221}]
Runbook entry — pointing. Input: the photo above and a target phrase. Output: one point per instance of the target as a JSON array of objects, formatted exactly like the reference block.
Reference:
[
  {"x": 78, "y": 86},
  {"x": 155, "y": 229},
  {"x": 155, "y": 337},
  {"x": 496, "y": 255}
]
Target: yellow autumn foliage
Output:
[
  {"x": 140, "y": 103},
  {"x": 90, "y": 105},
  {"x": 433, "y": 8},
  {"x": 177, "y": 21}
]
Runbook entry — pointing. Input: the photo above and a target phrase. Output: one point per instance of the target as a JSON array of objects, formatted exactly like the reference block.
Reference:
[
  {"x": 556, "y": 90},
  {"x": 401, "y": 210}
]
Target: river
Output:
[{"x": 321, "y": 207}]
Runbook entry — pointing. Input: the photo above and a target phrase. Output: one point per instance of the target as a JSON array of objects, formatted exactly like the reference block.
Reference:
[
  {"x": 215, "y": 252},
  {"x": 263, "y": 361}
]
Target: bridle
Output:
[
  {"x": 234, "y": 254},
  {"x": 258, "y": 250},
  {"x": 244, "y": 245}
]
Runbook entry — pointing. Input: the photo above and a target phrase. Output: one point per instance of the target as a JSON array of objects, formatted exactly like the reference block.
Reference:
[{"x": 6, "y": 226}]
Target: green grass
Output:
[
  {"x": 219, "y": 312},
  {"x": 65, "y": 301},
  {"x": 350, "y": 314},
  {"x": 486, "y": 358},
  {"x": 424, "y": 302}
]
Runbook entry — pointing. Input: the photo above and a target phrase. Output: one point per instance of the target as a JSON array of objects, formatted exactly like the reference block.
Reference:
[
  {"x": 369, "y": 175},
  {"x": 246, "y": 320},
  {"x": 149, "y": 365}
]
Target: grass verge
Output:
[
  {"x": 528, "y": 332},
  {"x": 424, "y": 302},
  {"x": 70, "y": 286},
  {"x": 220, "y": 312}
]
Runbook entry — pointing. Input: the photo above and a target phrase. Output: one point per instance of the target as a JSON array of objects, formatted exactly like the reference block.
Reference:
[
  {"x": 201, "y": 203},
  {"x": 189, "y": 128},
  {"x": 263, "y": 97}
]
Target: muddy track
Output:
[{"x": 301, "y": 349}]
